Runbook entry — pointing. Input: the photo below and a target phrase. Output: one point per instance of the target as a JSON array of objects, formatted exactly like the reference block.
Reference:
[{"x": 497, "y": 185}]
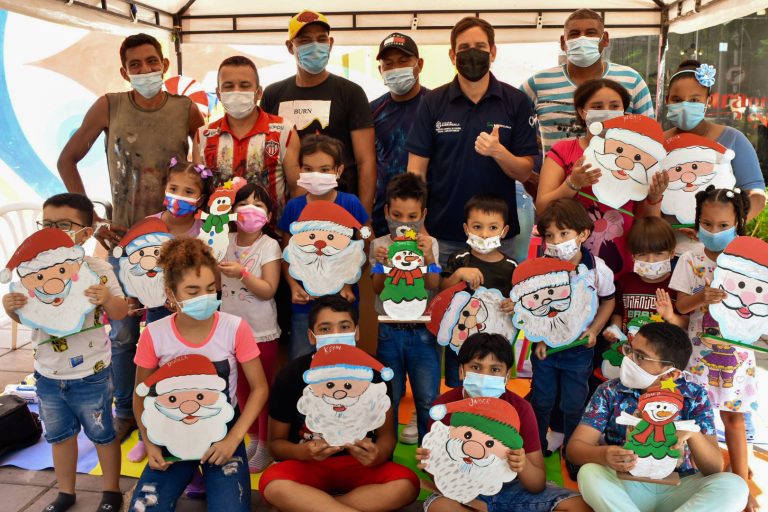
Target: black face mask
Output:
[{"x": 473, "y": 64}]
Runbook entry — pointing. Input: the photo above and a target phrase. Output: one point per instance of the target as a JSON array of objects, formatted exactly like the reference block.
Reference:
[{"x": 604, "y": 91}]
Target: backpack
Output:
[{"x": 19, "y": 427}]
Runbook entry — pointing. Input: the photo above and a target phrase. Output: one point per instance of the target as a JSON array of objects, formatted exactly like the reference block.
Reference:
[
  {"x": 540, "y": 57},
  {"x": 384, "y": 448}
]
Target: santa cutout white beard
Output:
[
  {"x": 149, "y": 290},
  {"x": 366, "y": 414},
  {"x": 66, "y": 318},
  {"x": 737, "y": 320},
  {"x": 454, "y": 478},
  {"x": 327, "y": 274},
  {"x": 187, "y": 442}
]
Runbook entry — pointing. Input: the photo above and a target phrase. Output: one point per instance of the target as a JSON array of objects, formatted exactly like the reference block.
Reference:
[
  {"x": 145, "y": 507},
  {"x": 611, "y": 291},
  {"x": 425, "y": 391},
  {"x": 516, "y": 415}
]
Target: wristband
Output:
[
  {"x": 571, "y": 185},
  {"x": 652, "y": 203},
  {"x": 244, "y": 273}
]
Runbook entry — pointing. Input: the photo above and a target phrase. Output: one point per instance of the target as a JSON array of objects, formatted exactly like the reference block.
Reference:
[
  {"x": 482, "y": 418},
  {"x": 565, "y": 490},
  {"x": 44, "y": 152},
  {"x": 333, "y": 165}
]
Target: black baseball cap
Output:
[{"x": 400, "y": 42}]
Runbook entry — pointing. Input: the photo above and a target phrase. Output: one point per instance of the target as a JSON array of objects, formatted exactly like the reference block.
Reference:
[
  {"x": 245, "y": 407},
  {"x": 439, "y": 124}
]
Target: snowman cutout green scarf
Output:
[{"x": 215, "y": 229}]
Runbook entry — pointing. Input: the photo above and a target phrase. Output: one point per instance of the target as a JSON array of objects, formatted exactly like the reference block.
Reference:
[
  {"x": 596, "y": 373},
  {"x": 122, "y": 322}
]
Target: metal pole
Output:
[{"x": 663, "y": 40}]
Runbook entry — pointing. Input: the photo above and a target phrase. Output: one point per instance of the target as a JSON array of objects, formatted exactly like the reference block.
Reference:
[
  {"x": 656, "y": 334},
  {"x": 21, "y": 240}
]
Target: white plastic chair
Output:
[{"x": 17, "y": 222}]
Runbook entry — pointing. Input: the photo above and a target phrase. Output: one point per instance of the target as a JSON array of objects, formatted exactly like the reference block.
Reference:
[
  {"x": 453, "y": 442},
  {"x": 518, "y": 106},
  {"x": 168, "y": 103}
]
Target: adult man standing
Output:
[
  {"x": 393, "y": 114},
  {"x": 473, "y": 135},
  {"x": 145, "y": 127},
  {"x": 317, "y": 101},
  {"x": 248, "y": 142},
  {"x": 551, "y": 90}
]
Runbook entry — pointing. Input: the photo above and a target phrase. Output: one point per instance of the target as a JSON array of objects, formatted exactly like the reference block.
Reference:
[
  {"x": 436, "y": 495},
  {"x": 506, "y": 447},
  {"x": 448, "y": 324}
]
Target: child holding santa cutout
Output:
[{"x": 74, "y": 376}]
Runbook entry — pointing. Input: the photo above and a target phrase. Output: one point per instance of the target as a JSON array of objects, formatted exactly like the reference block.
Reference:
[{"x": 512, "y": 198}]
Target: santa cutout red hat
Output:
[
  {"x": 440, "y": 304},
  {"x": 328, "y": 216},
  {"x": 745, "y": 255},
  {"x": 148, "y": 232},
  {"x": 42, "y": 249},
  {"x": 640, "y": 131},
  {"x": 491, "y": 416},
  {"x": 192, "y": 371},
  {"x": 537, "y": 273},
  {"x": 333, "y": 362},
  {"x": 689, "y": 147},
  {"x": 667, "y": 392}
]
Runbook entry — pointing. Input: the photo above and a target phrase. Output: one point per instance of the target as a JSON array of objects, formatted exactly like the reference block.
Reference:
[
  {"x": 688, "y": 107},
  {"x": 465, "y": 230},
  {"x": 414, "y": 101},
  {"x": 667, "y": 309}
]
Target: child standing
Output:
[
  {"x": 727, "y": 370},
  {"x": 74, "y": 381},
  {"x": 197, "y": 328},
  {"x": 321, "y": 163},
  {"x": 250, "y": 274},
  {"x": 483, "y": 264},
  {"x": 408, "y": 348},
  {"x": 565, "y": 226}
]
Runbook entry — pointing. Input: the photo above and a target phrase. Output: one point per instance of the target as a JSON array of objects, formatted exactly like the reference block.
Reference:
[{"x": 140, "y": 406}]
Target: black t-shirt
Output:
[
  {"x": 285, "y": 393},
  {"x": 497, "y": 274},
  {"x": 335, "y": 108}
]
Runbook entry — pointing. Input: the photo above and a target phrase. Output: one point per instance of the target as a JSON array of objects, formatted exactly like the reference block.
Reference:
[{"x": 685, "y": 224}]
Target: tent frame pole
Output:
[{"x": 661, "y": 61}]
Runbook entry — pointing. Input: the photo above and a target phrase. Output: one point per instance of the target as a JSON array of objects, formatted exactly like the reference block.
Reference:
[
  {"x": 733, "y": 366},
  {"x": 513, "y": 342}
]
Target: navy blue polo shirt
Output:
[{"x": 446, "y": 126}]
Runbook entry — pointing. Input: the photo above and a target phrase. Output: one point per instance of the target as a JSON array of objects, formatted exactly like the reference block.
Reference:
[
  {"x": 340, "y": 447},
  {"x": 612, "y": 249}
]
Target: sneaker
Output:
[
  {"x": 410, "y": 433},
  {"x": 123, "y": 427}
]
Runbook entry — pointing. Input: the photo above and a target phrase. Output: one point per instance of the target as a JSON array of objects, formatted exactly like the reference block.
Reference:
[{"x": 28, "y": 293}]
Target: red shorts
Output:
[{"x": 336, "y": 474}]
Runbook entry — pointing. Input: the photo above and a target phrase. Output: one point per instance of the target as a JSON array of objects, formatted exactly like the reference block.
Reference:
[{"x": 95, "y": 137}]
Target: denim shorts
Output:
[
  {"x": 66, "y": 405},
  {"x": 514, "y": 498}
]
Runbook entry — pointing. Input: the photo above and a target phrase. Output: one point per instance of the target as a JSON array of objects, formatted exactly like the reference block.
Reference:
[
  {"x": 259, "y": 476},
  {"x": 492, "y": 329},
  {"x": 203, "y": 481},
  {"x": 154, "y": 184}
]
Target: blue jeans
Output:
[
  {"x": 513, "y": 497},
  {"x": 66, "y": 405},
  {"x": 124, "y": 335},
  {"x": 411, "y": 349},
  {"x": 569, "y": 370},
  {"x": 298, "y": 343},
  {"x": 228, "y": 487}
]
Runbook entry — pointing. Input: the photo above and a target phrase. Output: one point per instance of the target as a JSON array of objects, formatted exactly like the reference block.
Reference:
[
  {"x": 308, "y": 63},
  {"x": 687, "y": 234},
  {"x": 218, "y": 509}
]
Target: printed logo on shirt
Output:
[
  {"x": 75, "y": 361},
  {"x": 303, "y": 113},
  {"x": 276, "y": 127},
  {"x": 99, "y": 366},
  {"x": 489, "y": 125},
  {"x": 59, "y": 344},
  {"x": 211, "y": 133},
  {"x": 272, "y": 148},
  {"x": 447, "y": 127}
]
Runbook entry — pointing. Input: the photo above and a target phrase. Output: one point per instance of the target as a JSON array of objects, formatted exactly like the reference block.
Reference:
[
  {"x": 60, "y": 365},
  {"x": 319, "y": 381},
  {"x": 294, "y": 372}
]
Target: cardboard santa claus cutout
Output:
[
  {"x": 340, "y": 401},
  {"x": 138, "y": 253},
  {"x": 322, "y": 253},
  {"x": 456, "y": 313},
  {"x": 54, "y": 277},
  {"x": 742, "y": 273},
  {"x": 221, "y": 210},
  {"x": 469, "y": 457},
  {"x": 186, "y": 407},
  {"x": 655, "y": 431},
  {"x": 693, "y": 162},
  {"x": 628, "y": 151},
  {"x": 553, "y": 301}
]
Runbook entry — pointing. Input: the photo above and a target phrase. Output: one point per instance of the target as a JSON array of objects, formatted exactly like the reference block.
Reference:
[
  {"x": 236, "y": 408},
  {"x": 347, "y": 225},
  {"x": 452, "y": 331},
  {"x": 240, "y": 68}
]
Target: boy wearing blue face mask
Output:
[
  {"x": 726, "y": 370},
  {"x": 485, "y": 361},
  {"x": 658, "y": 353}
]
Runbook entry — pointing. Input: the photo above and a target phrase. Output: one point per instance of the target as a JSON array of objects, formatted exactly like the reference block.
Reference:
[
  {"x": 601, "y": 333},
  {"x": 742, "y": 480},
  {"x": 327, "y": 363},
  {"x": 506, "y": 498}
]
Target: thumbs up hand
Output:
[{"x": 487, "y": 144}]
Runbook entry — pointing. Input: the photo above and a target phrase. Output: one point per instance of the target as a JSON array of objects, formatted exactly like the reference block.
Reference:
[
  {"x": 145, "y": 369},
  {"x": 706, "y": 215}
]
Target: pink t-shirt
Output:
[
  {"x": 229, "y": 342},
  {"x": 609, "y": 239},
  {"x": 192, "y": 232}
]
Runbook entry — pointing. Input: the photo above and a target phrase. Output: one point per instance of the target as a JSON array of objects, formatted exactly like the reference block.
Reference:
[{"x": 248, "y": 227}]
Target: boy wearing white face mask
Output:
[
  {"x": 658, "y": 352},
  {"x": 486, "y": 360}
]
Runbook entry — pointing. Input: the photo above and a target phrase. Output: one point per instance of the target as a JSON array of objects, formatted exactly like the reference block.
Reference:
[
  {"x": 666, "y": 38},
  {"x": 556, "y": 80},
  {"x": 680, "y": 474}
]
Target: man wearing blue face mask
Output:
[
  {"x": 393, "y": 114},
  {"x": 486, "y": 360},
  {"x": 551, "y": 90},
  {"x": 317, "y": 101},
  {"x": 145, "y": 127}
]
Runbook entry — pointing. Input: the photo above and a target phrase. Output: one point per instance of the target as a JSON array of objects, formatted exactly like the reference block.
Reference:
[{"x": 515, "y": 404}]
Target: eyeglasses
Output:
[
  {"x": 627, "y": 350},
  {"x": 64, "y": 225}
]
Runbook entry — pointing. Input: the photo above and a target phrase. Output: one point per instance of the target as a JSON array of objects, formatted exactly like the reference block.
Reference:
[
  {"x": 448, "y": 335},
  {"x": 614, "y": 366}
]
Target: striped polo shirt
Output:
[{"x": 551, "y": 92}]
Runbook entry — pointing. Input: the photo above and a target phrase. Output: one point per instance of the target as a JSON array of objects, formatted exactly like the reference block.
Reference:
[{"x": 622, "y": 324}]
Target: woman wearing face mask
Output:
[
  {"x": 689, "y": 89},
  {"x": 197, "y": 328},
  {"x": 565, "y": 175}
]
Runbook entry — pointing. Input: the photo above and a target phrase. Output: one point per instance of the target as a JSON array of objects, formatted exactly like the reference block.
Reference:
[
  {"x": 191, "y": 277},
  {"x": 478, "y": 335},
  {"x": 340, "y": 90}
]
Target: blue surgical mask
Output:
[
  {"x": 583, "y": 51},
  {"x": 399, "y": 80},
  {"x": 313, "y": 57},
  {"x": 717, "y": 242},
  {"x": 147, "y": 84},
  {"x": 686, "y": 115},
  {"x": 180, "y": 206},
  {"x": 336, "y": 338},
  {"x": 200, "y": 308},
  {"x": 480, "y": 385}
]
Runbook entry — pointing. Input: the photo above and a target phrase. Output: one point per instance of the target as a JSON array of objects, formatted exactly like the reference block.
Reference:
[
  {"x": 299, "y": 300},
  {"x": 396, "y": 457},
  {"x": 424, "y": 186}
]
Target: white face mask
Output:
[
  {"x": 336, "y": 338},
  {"x": 238, "y": 104},
  {"x": 562, "y": 251},
  {"x": 399, "y": 80},
  {"x": 632, "y": 376},
  {"x": 147, "y": 84},
  {"x": 583, "y": 51},
  {"x": 483, "y": 245},
  {"x": 653, "y": 270},
  {"x": 317, "y": 183},
  {"x": 601, "y": 116}
]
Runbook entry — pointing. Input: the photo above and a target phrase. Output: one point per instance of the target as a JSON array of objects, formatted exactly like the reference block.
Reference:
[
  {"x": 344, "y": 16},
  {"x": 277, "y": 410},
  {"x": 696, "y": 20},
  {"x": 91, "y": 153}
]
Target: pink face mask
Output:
[{"x": 251, "y": 218}]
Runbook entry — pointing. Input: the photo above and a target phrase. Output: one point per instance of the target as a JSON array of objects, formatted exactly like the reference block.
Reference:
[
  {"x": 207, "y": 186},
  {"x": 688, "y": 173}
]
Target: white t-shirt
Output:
[
  {"x": 261, "y": 315},
  {"x": 600, "y": 277},
  {"x": 82, "y": 354}
]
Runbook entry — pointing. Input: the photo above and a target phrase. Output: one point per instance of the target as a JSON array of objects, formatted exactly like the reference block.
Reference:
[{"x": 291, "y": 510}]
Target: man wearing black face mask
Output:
[{"x": 473, "y": 135}]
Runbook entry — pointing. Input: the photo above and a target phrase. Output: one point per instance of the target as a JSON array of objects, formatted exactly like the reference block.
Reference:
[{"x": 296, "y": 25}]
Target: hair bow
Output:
[
  {"x": 705, "y": 75},
  {"x": 172, "y": 162},
  {"x": 203, "y": 171}
]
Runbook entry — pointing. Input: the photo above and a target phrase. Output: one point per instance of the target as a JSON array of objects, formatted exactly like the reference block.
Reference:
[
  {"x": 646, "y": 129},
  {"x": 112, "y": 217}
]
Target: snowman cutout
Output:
[
  {"x": 404, "y": 296},
  {"x": 655, "y": 432},
  {"x": 215, "y": 229}
]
